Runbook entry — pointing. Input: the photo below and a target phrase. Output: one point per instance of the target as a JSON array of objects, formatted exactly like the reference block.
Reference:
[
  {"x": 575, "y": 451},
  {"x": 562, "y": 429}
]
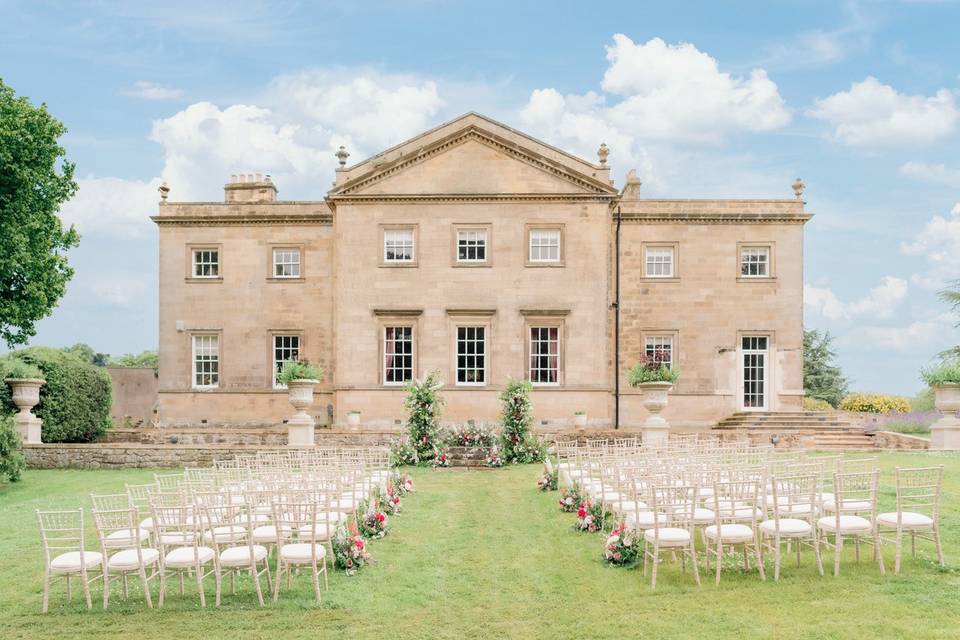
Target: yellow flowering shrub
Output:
[
  {"x": 875, "y": 403},
  {"x": 816, "y": 404}
]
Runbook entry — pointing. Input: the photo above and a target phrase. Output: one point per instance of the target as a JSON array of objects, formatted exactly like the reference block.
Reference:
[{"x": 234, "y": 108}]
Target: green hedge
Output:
[{"x": 75, "y": 401}]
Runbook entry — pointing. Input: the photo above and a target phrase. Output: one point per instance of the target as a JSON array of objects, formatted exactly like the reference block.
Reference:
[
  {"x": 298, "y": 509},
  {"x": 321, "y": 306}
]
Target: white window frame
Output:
[
  {"x": 748, "y": 347},
  {"x": 475, "y": 239},
  {"x": 294, "y": 354},
  {"x": 539, "y": 238},
  {"x": 747, "y": 251},
  {"x": 383, "y": 355},
  {"x": 194, "y": 264},
  {"x": 194, "y": 370},
  {"x": 288, "y": 257},
  {"x": 478, "y": 353},
  {"x": 659, "y": 342},
  {"x": 387, "y": 240},
  {"x": 654, "y": 260},
  {"x": 532, "y": 353}
]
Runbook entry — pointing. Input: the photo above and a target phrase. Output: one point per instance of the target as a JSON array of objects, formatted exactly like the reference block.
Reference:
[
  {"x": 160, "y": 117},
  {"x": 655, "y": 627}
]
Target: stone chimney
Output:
[
  {"x": 250, "y": 187},
  {"x": 631, "y": 190}
]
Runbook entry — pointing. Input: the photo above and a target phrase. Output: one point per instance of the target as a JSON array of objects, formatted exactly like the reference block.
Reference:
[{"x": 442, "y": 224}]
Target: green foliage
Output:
[
  {"x": 35, "y": 180},
  {"x": 951, "y": 295},
  {"x": 86, "y": 353},
  {"x": 923, "y": 401},
  {"x": 143, "y": 360},
  {"x": 17, "y": 369},
  {"x": 822, "y": 378},
  {"x": 75, "y": 401},
  {"x": 299, "y": 370},
  {"x": 946, "y": 372},
  {"x": 518, "y": 444},
  {"x": 815, "y": 404},
  {"x": 12, "y": 462},
  {"x": 402, "y": 453},
  {"x": 424, "y": 404},
  {"x": 874, "y": 403}
]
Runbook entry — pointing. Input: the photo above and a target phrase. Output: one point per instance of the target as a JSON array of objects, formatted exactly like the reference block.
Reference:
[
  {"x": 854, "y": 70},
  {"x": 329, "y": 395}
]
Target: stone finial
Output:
[
  {"x": 798, "y": 188},
  {"x": 631, "y": 190},
  {"x": 164, "y": 191},
  {"x": 602, "y": 153},
  {"x": 342, "y": 154}
]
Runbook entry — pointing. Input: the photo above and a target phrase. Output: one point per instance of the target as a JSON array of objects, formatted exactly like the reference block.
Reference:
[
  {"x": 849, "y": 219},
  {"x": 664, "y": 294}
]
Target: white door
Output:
[{"x": 754, "y": 374}]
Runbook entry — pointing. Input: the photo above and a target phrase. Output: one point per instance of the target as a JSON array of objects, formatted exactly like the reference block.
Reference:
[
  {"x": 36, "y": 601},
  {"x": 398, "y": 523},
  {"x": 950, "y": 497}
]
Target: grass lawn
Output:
[{"x": 486, "y": 555}]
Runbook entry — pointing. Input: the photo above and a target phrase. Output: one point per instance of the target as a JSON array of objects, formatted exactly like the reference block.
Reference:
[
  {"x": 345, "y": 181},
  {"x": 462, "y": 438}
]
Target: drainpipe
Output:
[{"x": 616, "y": 328}]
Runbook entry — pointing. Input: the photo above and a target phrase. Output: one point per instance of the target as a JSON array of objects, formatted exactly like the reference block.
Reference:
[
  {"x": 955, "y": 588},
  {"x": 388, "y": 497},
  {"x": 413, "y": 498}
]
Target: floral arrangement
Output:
[
  {"x": 653, "y": 368},
  {"x": 402, "y": 484},
  {"x": 402, "y": 453},
  {"x": 591, "y": 516},
  {"x": 493, "y": 458},
  {"x": 517, "y": 442},
  {"x": 622, "y": 547},
  {"x": 390, "y": 503},
  {"x": 299, "y": 370},
  {"x": 423, "y": 404},
  {"x": 570, "y": 498},
  {"x": 548, "y": 481},
  {"x": 374, "y": 525},
  {"x": 441, "y": 459},
  {"x": 472, "y": 435},
  {"x": 349, "y": 550}
]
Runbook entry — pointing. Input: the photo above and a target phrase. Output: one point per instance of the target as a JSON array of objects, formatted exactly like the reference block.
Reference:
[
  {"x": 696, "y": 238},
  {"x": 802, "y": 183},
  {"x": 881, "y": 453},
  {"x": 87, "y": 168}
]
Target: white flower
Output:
[{"x": 612, "y": 540}]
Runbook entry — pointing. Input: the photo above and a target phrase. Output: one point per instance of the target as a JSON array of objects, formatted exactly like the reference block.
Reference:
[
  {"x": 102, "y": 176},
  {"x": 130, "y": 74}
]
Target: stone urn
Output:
[
  {"x": 26, "y": 395},
  {"x": 353, "y": 418},
  {"x": 580, "y": 419},
  {"x": 300, "y": 425},
  {"x": 945, "y": 432},
  {"x": 655, "y": 428}
]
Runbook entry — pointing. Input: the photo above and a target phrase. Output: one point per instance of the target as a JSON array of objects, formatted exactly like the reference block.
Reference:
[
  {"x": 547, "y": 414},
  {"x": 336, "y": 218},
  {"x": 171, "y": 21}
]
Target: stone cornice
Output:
[
  {"x": 445, "y": 198},
  {"x": 714, "y": 218},
  {"x": 544, "y": 312},
  {"x": 712, "y": 211},
  {"x": 397, "y": 313},
  {"x": 243, "y": 219},
  {"x": 459, "y": 311},
  {"x": 472, "y": 133}
]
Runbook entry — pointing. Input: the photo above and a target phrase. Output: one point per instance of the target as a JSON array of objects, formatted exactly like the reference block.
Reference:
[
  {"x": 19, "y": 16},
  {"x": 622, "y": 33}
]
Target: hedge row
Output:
[{"x": 75, "y": 401}]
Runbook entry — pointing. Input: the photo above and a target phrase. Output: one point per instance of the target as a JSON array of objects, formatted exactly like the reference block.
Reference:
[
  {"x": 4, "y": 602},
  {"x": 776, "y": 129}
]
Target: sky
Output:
[{"x": 704, "y": 99}]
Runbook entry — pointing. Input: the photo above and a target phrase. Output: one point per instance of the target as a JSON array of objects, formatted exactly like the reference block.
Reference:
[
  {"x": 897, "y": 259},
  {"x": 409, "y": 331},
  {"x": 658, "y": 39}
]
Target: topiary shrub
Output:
[
  {"x": 12, "y": 462},
  {"x": 75, "y": 401},
  {"x": 874, "y": 403}
]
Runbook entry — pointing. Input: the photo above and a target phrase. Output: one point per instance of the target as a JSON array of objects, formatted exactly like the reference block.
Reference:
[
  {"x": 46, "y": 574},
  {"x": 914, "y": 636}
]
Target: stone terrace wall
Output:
[{"x": 269, "y": 437}]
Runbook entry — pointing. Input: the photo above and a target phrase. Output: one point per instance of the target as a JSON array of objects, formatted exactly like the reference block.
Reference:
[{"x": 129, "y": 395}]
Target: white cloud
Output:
[
  {"x": 872, "y": 115},
  {"x": 151, "y": 91},
  {"x": 932, "y": 173},
  {"x": 117, "y": 289},
  {"x": 669, "y": 93},
  {"x": 938, "y": 243},
  {"x": 112, "y": 206},
  {"x": 880, "y": 301},
  {"x": 918, "y": 336}
]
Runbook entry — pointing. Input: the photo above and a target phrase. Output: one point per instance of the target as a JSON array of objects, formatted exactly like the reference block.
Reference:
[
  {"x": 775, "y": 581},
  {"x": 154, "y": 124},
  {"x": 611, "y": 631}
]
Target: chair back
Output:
[
  {"x": 61, "y": 532},
  {"x": 918, "y": 490}
]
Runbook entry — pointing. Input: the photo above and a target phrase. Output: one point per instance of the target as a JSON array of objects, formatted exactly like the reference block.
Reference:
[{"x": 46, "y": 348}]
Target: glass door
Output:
[{"x": 754, "y": 372}]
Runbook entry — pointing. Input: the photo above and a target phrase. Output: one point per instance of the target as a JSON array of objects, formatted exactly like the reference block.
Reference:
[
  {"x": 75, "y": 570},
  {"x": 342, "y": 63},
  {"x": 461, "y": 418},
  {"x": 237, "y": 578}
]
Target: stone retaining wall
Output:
[
  {"x": 893, "y": 440},
  {"x": 129, "y": 456},
  {"x": 257, "y": 437}
]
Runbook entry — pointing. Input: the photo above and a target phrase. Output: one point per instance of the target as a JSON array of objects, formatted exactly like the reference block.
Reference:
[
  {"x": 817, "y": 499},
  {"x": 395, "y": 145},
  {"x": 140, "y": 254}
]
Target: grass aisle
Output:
[{"x": 486, "y": 555}]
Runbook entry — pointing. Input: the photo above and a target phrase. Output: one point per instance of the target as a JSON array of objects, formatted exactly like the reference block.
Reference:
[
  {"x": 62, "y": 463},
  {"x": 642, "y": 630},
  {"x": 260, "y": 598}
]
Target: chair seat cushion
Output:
[
  {"x": 70, "y": 562},
  {"x": 147, "y": 524},
  {"x": 185, "y": 557},
  {"x": 127, "y": 560},
  {"x": 702, "y": 516},
  {"x": 730, "y": 532},
  {"x": 848, "y": 524},
  {"x": 240, "y": 556},
  {"x": 226, "y": 534},
  {"x": 126, "y": 537},
  {"x": 301, "y": 552},
  {"x": 644, "y": 519},
  {"x": 910, "y": 520},
  {"x": 177, "y": 537},
  {"x": 668, "y": 536},
  {"x": 788, "y": 526},
  {"x": 267, "y": 534},
  {"x": 796, "y": 509},
  {"x": 630, "y": 505}
]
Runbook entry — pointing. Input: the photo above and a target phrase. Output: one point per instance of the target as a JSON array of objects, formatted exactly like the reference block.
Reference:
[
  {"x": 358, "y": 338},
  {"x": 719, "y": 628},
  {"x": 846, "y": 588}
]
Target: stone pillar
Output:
[
  {"x": 945, "y": 432},
  {"x": 300, "y": 426},
  {"x": 655, "y": 428},
  {"x": 26, "y": 395}
]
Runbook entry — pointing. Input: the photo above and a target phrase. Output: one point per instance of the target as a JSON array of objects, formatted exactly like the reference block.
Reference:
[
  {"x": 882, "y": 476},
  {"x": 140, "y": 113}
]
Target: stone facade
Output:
[
  {"x": 473, "y": 177},
  {"x": 134, "y": 396}
]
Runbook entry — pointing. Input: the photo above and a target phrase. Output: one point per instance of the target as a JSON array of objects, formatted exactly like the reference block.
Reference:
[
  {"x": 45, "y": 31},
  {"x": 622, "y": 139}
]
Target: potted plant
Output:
[
  {"x": 25, "y": 381},
  {"x": 654, "y": 377},
  {"x": 300, "y": 378},
  {"x": 353, "y": 418},
  {"x": 945, "y": 380},
  {"x": 580, "y": 418}
]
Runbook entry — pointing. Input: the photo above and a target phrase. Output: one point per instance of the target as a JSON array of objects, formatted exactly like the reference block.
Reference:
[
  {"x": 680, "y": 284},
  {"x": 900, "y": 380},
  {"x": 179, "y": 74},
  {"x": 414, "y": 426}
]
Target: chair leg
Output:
[
  {"x": 876, "y": 548},
  {"x": 898, "y": 550},
  {"x": 694, "y": 561},
  {"x": 326, "y": 584},
  {"x": 277, "y": 576},
  {"x": 756, "y": 550},
  {"x": 126, "y": 590},
  {"x": 86, "y": 588},
  {"x": 146, "y": 586},
  {"x": 936, "y": 539},
  {"x": 315, "y": 574},
  {"x": 200, "y": 589},
  {"x": 816, "y": 552},
  {"x": 776, "y": 558},
  {"x": 256, "y": 582},
  {"x": 163, "y": 589},
  {"x": 69, "y": 589},
  {"x": 46, "y": 590},
  {"x": 837, "y": 550},
  {"x": 656, "y": 563},
  {"x": 719, "y": 558},
  {"x": 913, "y": 543}
]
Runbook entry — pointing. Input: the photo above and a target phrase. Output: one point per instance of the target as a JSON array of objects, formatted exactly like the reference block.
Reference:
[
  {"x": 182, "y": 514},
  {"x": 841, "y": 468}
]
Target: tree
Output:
[
  {"x": 35, "y": 180},
  {"x": 86, "y": 353},
  {"x": 145, "y": 360},
  {"x": 951, "y": 295},
  {"x": 822, "y": 379}
]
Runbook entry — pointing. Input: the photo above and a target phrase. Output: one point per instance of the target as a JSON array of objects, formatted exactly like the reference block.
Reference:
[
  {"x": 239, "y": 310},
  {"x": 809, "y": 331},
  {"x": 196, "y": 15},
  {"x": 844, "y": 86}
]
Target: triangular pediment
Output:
[{"x": 473, "y": 156}]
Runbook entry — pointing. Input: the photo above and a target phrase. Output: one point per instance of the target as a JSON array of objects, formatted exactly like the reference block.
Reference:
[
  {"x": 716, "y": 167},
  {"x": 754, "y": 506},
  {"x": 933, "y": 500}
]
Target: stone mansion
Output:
[{"x": 484, "y": 254}]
